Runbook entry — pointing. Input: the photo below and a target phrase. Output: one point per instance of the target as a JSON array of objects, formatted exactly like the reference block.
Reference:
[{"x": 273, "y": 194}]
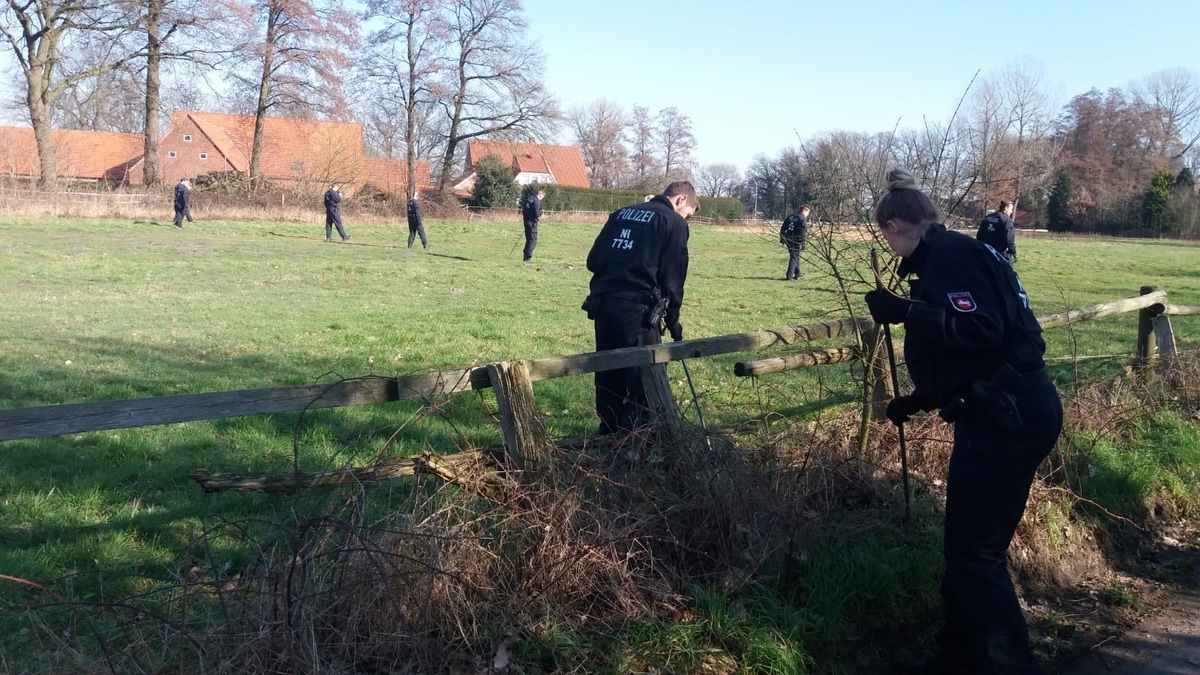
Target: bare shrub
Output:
[{"x": 608, "y": 533}]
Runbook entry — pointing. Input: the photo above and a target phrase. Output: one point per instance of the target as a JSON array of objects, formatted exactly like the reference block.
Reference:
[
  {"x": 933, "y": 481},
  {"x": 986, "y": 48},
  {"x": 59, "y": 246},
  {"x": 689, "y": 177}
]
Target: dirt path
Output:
[{"x": 1166, "y": 644}]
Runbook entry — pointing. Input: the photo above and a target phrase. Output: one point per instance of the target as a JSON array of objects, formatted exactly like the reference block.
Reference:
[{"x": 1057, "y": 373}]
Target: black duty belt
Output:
[
  {"x": 641, "y": 297},
  {"x": 1031, "y": 380}
]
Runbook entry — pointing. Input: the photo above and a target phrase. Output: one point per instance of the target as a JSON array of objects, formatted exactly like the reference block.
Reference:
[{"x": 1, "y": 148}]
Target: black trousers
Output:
[
  {"x": 333, "y": 219},
  {"x": 620, "y": 394},
  {"x": 415, "y": 228},
  {"x": 986, "y": 490},
  {"x": 530, "y": 238},
  {"x": 182, "y": 211},
  {"x": 793, "y": 267}
]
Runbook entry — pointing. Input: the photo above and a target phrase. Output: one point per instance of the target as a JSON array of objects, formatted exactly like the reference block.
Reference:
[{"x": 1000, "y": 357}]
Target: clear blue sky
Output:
[{"x": 753, "y": 73}]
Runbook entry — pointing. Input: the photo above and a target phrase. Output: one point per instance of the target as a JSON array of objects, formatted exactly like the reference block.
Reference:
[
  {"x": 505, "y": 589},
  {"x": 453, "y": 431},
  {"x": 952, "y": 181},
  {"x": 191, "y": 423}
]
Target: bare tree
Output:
[
  {"x": 163, "y": 22},
  {"x": 718, "y": 180},
  {"x": 1023, "y": 87},
  {"x": 494, "y": 85},
  {"x": 600, "y": 133},
  {"x": 155, "y": 9},
  {"x": 642, "y": 138},
  {"x": 407, "y": 54},
  {"x": 987, "y": 125},
  {"x": 1173, "y": 97},
  {"x": 38, "y": 31},
  {"x": 112, "y": 101},
  {"x": 298, "y": 60},
  {"x": 764, "y": 187},
  {"x": 677, "y": 142}
]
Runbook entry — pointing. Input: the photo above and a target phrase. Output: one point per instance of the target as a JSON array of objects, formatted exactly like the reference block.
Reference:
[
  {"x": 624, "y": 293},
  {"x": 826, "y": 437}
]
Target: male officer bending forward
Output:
[{"x": 639, "y": 264}]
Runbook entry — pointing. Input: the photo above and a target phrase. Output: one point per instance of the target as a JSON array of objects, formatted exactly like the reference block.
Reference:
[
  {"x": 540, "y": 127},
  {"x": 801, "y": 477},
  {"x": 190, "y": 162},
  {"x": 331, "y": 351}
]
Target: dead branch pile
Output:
[{"x": 616, "y": 531}]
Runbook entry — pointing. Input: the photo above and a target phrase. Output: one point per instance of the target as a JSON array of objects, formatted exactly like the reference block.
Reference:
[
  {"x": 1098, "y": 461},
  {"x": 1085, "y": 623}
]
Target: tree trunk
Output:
[
  {"x": 410, "y": 111},
  {"x": 150, "y": 175},
  {"x": 451, "y": 145},
  {"x": 260, "y": 122},
  {"x": 264, "y": 92},
  {"x": 38, "y": 81},
  {"x": 452, "y": 135}
]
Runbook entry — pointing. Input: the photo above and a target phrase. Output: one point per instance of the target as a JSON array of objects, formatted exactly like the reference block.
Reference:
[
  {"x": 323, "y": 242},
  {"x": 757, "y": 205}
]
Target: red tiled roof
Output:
[
  {"x": 292, "y": 148},
  {"x": 391, "y": 175},
  {"x": 564, "y": 162},
  {"x": 299, "y": 151},
  {"x": 93, "y": 155},
  {"x": 531, "y": 163}
]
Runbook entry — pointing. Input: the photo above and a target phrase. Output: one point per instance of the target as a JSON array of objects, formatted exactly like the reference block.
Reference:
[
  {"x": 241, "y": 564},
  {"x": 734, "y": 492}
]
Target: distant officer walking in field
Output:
[
  {"x": 998, "y": 231},
  {"x": 531, "y": 213},
  {"x": 416, "y": 226},
  {"x": 639, "y": 263},
  {"x": 974, "y": 349},
  {"x": 333, "y": 213},
  {"x": 183, "y": 195},
  {"x": 792, "y": 234}
]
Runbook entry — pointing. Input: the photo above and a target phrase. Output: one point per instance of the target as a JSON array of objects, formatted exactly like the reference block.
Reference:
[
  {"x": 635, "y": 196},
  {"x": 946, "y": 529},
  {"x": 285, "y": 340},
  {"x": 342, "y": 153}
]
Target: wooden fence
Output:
[
  {"x": 105, "y": 197},
  {"x": 526, "y": 440}
]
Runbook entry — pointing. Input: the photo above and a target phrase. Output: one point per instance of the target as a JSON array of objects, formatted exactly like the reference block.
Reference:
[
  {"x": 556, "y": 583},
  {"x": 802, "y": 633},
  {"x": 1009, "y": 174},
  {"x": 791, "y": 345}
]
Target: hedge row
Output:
[{"x": 564, "y": 198}]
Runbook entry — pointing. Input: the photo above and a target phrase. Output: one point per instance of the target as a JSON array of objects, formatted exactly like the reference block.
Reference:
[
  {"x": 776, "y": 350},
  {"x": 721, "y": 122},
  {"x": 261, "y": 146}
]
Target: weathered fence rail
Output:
[
  {"x": 1155, "y": 335},
  {"x": 71, "y": 418},
  {"x": 525, "y": 437}
]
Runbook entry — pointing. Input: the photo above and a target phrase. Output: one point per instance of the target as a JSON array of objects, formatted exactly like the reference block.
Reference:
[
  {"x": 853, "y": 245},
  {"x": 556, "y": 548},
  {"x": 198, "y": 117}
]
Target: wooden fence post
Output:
[
  {"x": 659, "y": 397},
  {"x": 1147, "y": 348},
  {"x": 1164, "y": 336},
  {"x": 525, "y": 437}
]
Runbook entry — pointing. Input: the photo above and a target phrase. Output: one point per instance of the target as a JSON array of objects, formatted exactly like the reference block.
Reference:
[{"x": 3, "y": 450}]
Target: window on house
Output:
[
  {"x": 172, "y": 154},
  {"x": 187, "y": 138},
  {"x": 298, "y": 166},
  {"x": 204, "y": 155}
]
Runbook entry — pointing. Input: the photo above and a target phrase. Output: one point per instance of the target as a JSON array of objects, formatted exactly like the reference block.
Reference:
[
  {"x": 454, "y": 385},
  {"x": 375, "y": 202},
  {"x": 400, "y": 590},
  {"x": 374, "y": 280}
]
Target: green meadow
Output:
[{"x": 95, "y": 310}]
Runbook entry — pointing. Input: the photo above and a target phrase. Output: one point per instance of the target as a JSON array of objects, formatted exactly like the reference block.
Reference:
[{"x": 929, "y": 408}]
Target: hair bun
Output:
[{"x": 901, "y": 179}]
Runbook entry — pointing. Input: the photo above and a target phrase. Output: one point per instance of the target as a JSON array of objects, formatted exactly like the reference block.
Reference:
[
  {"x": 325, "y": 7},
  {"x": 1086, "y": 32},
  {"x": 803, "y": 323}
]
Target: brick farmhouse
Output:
[{"x": 302, "y": 155}]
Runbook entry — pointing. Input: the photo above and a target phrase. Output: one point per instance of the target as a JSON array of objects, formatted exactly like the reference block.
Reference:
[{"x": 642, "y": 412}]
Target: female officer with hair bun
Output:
[{"x": 974, "y": 350}]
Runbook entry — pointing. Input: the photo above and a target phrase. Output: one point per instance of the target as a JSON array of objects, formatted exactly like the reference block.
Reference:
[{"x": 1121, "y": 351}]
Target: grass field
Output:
[{"x": 98, "y": 310}]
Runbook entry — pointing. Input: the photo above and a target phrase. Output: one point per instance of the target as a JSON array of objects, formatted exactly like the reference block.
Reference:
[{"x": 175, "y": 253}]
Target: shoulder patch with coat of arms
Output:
[{"x": 962, "y": 301}]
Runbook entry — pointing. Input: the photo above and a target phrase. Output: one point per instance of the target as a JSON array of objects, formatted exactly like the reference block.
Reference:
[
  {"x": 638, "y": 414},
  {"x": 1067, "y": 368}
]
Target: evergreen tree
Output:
[
  {"x": 1154, "y": 202},
  {"x": 1058, "y": 216},
  {"x": 1185, "y": 181},
  {"x": 494, "y": 184}
]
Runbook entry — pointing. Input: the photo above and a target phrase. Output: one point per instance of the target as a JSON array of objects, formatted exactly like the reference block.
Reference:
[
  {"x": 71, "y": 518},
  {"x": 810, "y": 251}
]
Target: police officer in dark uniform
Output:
[
  {"x": 639, "y": 264},
  {"x": 998, "y": 230},
  {"x": 416, "y": 226},
  {"x": 183, "y": 194},
  {"x": 333, "y": 213},
  {"x": 531, "y": 212},
  {"x": 974, "y": 350},
  {"x": 792, "y": 234}
]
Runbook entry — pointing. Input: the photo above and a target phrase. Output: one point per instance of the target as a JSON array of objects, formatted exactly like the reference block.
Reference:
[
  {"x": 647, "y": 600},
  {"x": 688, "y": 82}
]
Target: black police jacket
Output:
[
  {"x": 333, "y": 200},
  {"x": 532, "y": 208},
  {"x": 181, "y": 196},
  {"x": 998, "y": 231},
  {"x": 414, "y": 212},
  {"x": 642, "y": 248},
  {"x": 794, "y": 229},
  {"x": 971, "y": 316}
]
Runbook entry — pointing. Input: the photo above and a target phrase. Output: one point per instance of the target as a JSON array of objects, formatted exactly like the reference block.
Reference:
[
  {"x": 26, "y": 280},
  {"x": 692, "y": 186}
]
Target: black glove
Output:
[
  {"x": 887, "y": 307},
  {"x": 676, "y": 331},
  {"x": 900, "y": 408}
]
